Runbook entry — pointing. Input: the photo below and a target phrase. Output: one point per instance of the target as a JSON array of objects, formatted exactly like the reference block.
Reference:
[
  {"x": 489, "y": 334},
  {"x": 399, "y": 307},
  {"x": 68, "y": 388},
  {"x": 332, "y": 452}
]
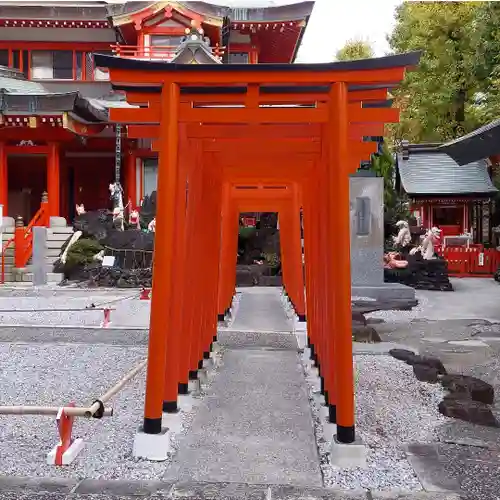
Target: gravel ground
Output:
[
  {"x": 128, "y": 311},
  {"x": 392, "y": 409},
  {"x": 27, "y": 377}
]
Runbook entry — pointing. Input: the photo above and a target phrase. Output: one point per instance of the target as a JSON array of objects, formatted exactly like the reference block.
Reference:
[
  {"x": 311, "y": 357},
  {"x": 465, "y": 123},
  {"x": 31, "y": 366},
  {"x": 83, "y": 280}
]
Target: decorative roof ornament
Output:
[{"x": 195, "y": 48}]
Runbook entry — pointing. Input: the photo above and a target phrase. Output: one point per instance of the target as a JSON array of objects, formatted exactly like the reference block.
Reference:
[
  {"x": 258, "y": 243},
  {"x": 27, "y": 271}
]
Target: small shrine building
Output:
[
  {"x": 55, "y": 131},
  {"x": 455, "y": 198}
]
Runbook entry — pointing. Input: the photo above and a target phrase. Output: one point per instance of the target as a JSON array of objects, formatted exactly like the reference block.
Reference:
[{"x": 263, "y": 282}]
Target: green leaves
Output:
[
  {"x": 355, "y": 49},
  {"x": 438, "y": 100}
]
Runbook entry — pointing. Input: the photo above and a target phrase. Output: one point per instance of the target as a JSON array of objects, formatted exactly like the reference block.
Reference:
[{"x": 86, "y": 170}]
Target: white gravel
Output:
[
  {"x": 56, "y": 375},
  {"x": 129, "y": 311},
  {"x": 392, "y": 409}
]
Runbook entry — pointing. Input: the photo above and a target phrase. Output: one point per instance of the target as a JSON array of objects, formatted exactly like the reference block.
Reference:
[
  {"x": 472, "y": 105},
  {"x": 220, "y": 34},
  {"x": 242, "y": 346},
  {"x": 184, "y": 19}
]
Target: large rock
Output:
[
  {"x": 467, "y": 410},
  {"x": 421, "y": 274},
  {"x": 428, "y": 361},
  {"x": 402, "y": 354},
  {"x": 366, "y": 334},
  {"x": 469, "y": 387},
  {"x": 425, "y": 373}
]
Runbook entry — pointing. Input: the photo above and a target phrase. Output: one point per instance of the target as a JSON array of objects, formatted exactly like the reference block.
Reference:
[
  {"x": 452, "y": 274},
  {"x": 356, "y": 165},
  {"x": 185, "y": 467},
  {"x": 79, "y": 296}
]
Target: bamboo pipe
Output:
[{"x": 86, "y": 412}]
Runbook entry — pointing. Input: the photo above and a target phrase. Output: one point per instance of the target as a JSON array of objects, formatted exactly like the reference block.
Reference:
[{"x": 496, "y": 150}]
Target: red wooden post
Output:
[
  {"x": 340, "y": 275},
  {"x": 161, "y": 334},
  {"x": 4, "y": 179},
  {"x": 53, "y": 180}
]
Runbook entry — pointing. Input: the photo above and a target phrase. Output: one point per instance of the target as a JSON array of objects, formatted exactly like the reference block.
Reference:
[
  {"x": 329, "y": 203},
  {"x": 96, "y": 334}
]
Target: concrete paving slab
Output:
[
  {"x": 246, "y": 340},
  {"x": 424, "y": 495},
  {"x": 217, "y": 491},
  {"x": 261, "y": 310},
  {"x": 253, "y": 426},
  {"x": 291, "y": 493}
]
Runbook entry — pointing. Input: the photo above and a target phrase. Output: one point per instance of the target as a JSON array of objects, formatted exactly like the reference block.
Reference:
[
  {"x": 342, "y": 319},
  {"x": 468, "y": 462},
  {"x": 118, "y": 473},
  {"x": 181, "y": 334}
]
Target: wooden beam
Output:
[
  {"x": 145, "y": 98},
  {"x": 305, "y": 76}
]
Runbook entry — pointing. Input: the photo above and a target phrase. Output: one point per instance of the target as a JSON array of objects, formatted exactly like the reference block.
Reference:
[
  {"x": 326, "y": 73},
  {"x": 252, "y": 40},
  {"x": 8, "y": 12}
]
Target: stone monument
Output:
[{"x": 367, "y": 243}]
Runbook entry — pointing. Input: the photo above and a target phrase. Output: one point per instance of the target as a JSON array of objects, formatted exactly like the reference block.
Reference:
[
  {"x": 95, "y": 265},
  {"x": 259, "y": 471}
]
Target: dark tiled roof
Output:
[
  {"x": 478, "y": 144},
  {"x": 409, "y": 59},
  {"x": 246, "y": 12},
  {"x": 431, "y": 172}
]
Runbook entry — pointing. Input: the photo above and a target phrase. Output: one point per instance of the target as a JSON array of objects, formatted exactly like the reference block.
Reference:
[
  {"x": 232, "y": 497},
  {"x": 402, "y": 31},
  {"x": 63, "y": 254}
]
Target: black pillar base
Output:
[
  {"x": 332, "y": 414},
  {"x": 346, "y": 434},
  {"x": 326, "y": 398},
  {"x": 302, "y": 318},
  {"x": 206, "y": 355},
  {"x": 193, "y": 375},
  {"x": 183, "y": 388},
  {"x": 311, "y": 346},
  {"x": 170, "y": 407},
  {"x": 200, "y": 364},
  {"x": 152, "y": 425},
  {"x": 322, "y": 385},
  {"x": 220, "y": 317},
  {"x": 215, "y": 338}
]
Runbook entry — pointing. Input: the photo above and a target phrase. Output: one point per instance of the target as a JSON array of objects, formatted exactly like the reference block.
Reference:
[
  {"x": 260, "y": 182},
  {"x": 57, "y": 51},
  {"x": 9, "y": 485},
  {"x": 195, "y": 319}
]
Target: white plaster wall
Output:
[{"x": 58, "y": 34}]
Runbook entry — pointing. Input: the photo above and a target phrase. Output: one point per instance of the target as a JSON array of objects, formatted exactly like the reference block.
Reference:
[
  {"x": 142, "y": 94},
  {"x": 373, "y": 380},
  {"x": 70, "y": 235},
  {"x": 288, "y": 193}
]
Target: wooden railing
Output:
[
  {"x": 475, "y": 261},
  {"x": 159, "y": 53},
  {"x": 23, "y": 237}
]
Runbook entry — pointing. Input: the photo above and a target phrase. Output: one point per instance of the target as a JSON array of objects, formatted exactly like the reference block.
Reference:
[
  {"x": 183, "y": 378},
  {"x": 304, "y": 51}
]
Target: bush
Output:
[{"x": 82, "y": 253}]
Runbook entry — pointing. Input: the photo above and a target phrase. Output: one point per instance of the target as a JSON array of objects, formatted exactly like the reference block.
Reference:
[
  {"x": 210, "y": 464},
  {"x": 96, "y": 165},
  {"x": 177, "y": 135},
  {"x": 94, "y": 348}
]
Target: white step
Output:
[{"x": 27, "y": 277}]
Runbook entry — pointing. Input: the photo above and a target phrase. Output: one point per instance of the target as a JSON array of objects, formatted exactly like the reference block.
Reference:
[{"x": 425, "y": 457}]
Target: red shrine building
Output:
[
  {"x": 455, "y": 198},
  {"x": 55, "y": 132}
]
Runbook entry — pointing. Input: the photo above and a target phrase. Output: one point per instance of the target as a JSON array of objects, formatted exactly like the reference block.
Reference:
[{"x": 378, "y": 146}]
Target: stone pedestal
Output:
[{"x": 367, "y": 242}]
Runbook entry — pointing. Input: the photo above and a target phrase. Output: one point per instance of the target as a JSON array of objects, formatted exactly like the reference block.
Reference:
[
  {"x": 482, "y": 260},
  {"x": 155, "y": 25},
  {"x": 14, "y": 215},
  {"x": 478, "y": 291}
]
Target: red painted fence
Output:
[{"x": 475, "y": 261}]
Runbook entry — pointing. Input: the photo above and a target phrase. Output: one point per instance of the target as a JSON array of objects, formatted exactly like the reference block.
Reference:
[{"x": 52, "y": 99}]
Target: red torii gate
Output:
[{"x": 330, "y": 119}]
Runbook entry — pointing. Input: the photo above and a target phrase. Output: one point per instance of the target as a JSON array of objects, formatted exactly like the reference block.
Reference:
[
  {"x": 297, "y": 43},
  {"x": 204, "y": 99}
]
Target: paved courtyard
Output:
[{"x": 255, "y": 431}]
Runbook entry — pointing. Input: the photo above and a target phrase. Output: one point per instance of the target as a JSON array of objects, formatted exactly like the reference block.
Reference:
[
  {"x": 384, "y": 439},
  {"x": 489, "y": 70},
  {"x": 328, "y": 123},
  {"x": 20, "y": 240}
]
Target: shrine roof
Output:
[
  {"x": 249, "y": 11},
  {"x": 478, "y": 144},
  {"x": 394, "y": 61},
  {"x": 425, "y": 170},
  {"x": 24, "y": 96}
]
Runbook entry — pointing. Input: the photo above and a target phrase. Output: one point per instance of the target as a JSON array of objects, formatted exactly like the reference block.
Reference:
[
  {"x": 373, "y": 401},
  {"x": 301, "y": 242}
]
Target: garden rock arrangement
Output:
[
  {"x": 131, "y": 248},
  {"x": 468, "y": 399},
  {"x": 421, "y": 274}
]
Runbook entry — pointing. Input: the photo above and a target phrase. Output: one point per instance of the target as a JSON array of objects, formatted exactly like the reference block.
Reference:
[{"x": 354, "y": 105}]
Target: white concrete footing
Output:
[
  {"x": 329, "y": 430},
  {"x": 69, "y": 455},
  {"x": 208, "y": 363},
  {"x": 155, "y": 447},
  {"x": 172, "y": 421},
  {"x": 186, "y": 402},
  {"x": 348, "y": 455},
  {"x": 203, "y": 376},
  {"x": 215, "y": 348},
  {"x": 194, "y": 386}
]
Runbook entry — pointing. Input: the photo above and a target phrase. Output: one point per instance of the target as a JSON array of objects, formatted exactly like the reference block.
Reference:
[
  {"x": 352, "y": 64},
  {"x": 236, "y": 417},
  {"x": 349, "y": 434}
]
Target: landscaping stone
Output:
[
  {"x": 365, "y": 334},
  {"x": 466, "y": 409},
  {"x": 472, "y": 387},
  {"x": 421, "y": 274},
  {"x": 402, "y": 354},
  {"x": 425, "y": 373},
  {"x": 427, "y": 361}
]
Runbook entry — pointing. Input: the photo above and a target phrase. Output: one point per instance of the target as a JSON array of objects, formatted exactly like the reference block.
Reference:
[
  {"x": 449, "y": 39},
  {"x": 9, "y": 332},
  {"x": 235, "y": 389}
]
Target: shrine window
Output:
[
  {"x": 239, "y": 58},
  {"x": 4, "y": 57},
  {"x": 166, "y": 40},
  {"x": 150, "y": 176},
  {"x": 447, "y": 216},
  {"x": 52, "y": 64}
]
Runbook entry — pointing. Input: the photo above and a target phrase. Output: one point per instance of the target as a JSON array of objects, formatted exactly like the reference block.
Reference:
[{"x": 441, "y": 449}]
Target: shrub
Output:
[{"x": 82, "y": 253}]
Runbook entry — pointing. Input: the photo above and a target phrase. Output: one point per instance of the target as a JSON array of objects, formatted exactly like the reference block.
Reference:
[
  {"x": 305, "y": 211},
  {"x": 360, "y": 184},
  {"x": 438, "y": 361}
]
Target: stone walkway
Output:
[{"x": 255, "y": 424}]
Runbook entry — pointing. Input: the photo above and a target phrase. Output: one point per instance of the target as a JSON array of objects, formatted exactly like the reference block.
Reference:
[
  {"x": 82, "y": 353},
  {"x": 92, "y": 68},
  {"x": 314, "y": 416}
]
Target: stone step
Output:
[
  {"x": 58, "y": 237},
  {"x": 27, "y": 277}
]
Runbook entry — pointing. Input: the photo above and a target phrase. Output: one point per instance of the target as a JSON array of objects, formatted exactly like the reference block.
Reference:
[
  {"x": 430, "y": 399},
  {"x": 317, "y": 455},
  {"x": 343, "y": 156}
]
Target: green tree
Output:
[
  {"x": 355, "y": 49},
  {"x": 488, "y": 61},
  {"x": 438, "y": 99}
]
